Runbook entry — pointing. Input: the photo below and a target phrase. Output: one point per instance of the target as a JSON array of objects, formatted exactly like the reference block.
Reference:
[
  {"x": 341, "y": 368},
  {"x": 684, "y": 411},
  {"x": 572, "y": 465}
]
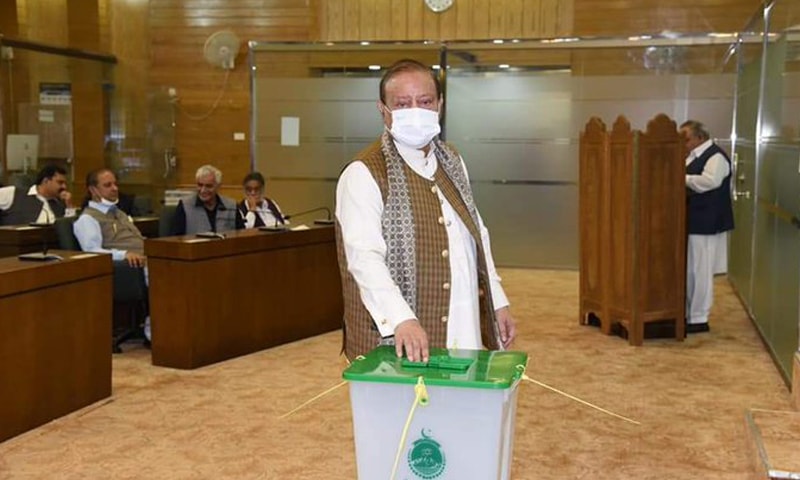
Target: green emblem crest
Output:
[{"x": 426, "y": 458}]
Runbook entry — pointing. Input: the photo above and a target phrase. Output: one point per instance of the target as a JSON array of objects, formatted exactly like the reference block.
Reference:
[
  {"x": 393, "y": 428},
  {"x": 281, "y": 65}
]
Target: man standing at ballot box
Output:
[
  {"x": 206, "y": 210},
  {"x": 45, "y": 201},
  {"x": 709, "y": 215},
  {"x": 414, "y": 255}
]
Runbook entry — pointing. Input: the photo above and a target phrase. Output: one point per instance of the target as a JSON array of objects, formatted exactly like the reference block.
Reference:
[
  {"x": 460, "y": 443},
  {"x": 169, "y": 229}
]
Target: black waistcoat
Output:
[{"x": 710, "y": 212}]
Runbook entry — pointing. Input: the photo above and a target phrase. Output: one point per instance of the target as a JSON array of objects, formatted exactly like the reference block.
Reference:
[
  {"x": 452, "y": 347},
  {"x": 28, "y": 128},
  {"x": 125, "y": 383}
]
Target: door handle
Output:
[{"x": 745, "y": 194}]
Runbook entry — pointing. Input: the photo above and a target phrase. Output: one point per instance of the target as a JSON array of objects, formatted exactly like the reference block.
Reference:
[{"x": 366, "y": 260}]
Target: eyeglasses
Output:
[{"x": 207, "y": 186}]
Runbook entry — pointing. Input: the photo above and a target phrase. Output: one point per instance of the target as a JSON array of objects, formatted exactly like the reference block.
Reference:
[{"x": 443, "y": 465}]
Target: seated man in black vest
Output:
[
  {"x": 105, "y": 228},
  {"x": 45, "y": 201},
  {"x": 709, "y": 216},
  {"x": 206, "y": 210}
]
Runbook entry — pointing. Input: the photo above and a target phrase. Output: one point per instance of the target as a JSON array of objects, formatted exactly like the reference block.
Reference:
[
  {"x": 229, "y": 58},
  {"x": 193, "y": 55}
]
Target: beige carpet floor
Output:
[{"x": 222, "y": 421}]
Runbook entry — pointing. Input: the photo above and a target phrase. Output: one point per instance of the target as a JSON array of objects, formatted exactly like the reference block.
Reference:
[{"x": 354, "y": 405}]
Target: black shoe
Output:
[{"x": 697, "y": 328}]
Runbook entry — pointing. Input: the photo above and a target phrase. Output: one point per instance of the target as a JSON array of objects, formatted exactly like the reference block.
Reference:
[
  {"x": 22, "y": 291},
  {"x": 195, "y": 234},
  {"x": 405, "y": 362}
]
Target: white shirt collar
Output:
[
  {"x": 698, "y": 150},
  {"x": 34, "y": 191},
  {"x": 422, "y": 164}
]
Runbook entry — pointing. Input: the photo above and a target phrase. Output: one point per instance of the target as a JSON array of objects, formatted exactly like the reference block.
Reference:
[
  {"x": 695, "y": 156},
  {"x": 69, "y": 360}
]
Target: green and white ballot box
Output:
[{"x": 460, "y": 424}]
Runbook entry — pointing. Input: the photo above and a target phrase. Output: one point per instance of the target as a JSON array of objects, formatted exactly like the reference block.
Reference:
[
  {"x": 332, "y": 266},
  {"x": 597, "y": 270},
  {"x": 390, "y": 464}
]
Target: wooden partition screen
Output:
[{"x": 632, "y": 226}]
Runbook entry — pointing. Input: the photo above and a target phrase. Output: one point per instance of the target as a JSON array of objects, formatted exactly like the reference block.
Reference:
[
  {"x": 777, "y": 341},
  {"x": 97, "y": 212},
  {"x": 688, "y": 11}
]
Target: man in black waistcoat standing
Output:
[
  {"x": 709, "y": 215},
  {"x": 45, "y": 201}
]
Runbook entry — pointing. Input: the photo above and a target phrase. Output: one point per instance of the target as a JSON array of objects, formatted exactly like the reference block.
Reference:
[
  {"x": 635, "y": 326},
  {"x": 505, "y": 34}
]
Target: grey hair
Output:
[
  {"x": 698, "y": 129},
  {"x": 209, "y": 170}
]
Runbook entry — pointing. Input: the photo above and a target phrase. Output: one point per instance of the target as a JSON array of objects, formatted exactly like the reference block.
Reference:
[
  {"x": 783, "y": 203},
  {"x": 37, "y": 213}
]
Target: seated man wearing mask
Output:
[
  {"x": 104, "y": 228},
  {"x": 256, "y": 209},
  {"x": 206, "y": 210},
  {"x": 45, "y": 201}
]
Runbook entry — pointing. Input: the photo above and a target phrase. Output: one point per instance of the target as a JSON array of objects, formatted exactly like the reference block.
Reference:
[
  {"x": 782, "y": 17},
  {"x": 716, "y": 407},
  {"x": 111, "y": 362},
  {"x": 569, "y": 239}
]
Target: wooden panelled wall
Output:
[
  {"x": 466, "y": 20},
  {"x": 160, "y": 42},
  {"x": 178, "y": 30}
]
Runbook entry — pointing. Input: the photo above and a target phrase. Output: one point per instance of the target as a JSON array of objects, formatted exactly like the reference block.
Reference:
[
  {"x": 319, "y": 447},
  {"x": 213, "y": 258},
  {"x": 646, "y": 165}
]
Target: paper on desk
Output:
[
  {"x": 82, "y": 255},
  {"x": 300, "y": 227},
  {"x": 197, "y": 240},
  {"x": 26, "y": 227}
]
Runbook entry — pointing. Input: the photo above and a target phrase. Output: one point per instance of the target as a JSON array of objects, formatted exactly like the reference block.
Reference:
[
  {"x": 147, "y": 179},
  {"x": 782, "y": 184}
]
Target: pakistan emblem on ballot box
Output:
[{"x": 426, "y": 458}]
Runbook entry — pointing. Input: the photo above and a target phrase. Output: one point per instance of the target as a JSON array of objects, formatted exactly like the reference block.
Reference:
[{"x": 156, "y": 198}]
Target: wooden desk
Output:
[
  {"x": 211, "y": 300},
  {"x": 147, "y": 225},
  {"x": 16, "y": 239},
  {"x": 55, "y": 325}
]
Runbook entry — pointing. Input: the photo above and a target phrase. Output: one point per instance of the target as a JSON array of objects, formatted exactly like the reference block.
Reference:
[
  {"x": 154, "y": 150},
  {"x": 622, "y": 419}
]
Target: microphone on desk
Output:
[
  {"x": 42, "y": 256},
  {"x": 318, "y": 221},
  {"x": 275, "y": 227}
]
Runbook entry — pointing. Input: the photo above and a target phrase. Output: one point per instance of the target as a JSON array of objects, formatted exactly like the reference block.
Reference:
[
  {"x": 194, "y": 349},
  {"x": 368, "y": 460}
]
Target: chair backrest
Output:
[
  {"x": 65, "y": 234},
  {"x": 22, "y": 180},
  {"x": 142, "y": 205},
  {"x": 166, "y": 220}
]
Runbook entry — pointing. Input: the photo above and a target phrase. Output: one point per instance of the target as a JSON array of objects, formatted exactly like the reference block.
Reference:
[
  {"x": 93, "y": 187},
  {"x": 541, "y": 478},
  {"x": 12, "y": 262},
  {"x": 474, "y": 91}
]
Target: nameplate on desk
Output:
[
  {"x": 274, "y": 228},
  {"x": 39, "y": 257}
]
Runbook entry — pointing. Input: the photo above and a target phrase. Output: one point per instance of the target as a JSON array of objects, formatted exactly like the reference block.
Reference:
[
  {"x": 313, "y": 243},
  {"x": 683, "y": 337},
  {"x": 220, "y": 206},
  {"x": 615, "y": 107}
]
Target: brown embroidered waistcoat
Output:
[
  {"x": 118, "y": 230},
  {"x": 432, "y": 262}
]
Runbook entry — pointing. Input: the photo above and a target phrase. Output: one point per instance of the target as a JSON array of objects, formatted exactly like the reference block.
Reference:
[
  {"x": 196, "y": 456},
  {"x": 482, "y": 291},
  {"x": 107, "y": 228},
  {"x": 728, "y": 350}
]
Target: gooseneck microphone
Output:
[
  {"x": 44, "y": 232},
  {"x": 318, "y": 221},
  {"x": 42, "y": 256}
]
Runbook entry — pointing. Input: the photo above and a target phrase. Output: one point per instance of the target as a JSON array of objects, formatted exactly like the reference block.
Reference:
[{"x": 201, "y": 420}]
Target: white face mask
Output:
[
  {"x": 105, "y": 201},
  {"x": 415, "y": 127}
]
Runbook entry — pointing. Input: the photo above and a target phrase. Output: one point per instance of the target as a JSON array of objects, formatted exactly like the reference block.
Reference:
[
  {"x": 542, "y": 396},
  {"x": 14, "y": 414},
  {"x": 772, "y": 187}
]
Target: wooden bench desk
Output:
[
  {"x": 211, "y": 300},
  {"x": 16, "y": 239},
  {"x": 55, "y": 325}
]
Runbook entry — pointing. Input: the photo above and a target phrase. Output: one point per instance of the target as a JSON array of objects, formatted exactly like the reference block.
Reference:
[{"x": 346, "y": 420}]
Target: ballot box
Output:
[{"x": 457, "y": 411}]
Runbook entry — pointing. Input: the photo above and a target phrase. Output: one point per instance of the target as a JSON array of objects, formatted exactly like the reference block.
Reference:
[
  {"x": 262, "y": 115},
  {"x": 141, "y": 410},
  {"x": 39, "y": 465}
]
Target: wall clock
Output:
[{"x": 439, "y": 6}]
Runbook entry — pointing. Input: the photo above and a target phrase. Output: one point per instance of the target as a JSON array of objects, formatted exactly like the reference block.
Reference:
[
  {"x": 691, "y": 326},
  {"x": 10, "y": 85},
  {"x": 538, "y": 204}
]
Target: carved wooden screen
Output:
[
  {"x": 632, "y": 220},
  {"x": 622, "y": 204},
  {"x": 593, "y": 220},
  {"x": 661, "y": 222}
]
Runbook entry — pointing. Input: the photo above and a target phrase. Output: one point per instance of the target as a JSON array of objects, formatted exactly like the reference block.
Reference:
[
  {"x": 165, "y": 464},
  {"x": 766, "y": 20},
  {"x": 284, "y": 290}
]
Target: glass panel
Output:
[
  {"x": 744, "y": 160},
  {"x": 55, "y": 109},
  {"x": 331, "y": 91},
  {"x": 514, "y": 111},
  {"x": 522, "y": 163},
  {"x": 777, "y": 258},
  {"x": 142, "y": 151}
]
